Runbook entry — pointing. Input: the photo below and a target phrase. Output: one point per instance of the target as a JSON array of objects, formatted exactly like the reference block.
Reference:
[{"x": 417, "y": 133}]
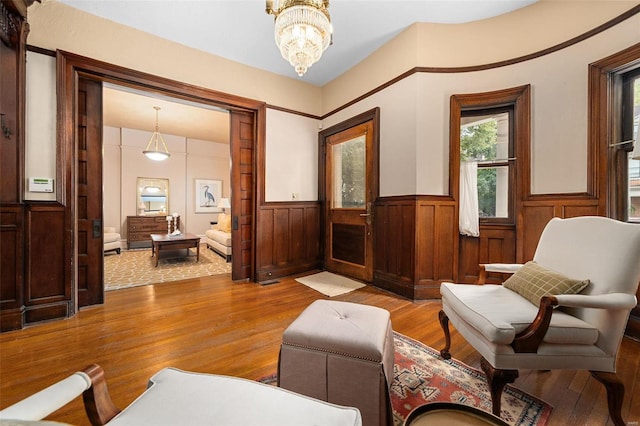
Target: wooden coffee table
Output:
[{"x": 164, "y": 242}]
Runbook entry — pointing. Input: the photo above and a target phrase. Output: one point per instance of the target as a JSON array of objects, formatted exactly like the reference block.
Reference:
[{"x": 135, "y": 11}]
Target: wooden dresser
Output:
[{"x": 140, "y": 228}]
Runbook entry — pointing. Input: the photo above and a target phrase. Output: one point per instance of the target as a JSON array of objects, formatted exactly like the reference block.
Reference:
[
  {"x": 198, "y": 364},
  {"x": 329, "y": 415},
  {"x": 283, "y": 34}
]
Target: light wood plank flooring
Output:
[{"x": 216, "y": 326}]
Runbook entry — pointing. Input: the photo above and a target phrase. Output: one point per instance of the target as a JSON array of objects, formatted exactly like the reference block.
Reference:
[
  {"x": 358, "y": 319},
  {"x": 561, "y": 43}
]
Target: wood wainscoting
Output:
[
  {"x": 416, "y": 244},
  {"x": 289, "y": 239},
  {"x": 12, "y": 266},
  {"x": 47, "y": 293},
  {"x": 517, "y": 244},
  {"x": 540, "y": 209},
  {"x": 496, "y": 244}
]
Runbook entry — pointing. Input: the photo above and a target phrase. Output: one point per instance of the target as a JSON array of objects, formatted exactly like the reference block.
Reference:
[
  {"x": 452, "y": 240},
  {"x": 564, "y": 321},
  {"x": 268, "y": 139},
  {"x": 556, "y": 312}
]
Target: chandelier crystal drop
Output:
[
  {"x": 302, "y": 31},
  {"x": 152, "y": 151}
]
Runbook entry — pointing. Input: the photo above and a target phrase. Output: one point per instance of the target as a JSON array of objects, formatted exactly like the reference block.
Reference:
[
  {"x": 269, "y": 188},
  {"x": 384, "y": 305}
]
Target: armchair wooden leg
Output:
[
  {"x": 615, "y": 394},
  {"x": 444, "y": 323},
  {"x": 497, "y": 380}
]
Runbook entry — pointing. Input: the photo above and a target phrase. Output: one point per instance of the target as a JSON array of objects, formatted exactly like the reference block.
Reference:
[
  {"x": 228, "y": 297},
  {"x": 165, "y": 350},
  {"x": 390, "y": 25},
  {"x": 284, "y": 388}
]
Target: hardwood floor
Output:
[{"x": 216, "y": 326}]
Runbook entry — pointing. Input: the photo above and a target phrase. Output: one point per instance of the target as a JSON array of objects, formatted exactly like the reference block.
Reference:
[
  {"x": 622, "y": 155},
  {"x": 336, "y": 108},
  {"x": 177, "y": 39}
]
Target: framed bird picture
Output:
[{"x": 208, "y": 195}]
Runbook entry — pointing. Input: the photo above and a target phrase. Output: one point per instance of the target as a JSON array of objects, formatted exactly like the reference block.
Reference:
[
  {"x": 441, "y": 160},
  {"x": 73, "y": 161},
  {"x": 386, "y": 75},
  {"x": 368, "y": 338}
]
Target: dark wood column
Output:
[{"x": 13, "y": 35}]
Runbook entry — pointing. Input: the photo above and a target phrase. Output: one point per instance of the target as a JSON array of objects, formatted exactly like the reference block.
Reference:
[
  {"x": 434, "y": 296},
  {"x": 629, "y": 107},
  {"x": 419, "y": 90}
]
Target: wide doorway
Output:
[
  {"x": 245, "y": 117},
  {"x": 139, "y": 193}
]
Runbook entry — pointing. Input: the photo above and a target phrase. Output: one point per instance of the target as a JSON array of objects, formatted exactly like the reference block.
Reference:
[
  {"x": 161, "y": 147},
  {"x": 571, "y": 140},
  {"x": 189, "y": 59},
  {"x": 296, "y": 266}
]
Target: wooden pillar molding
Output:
[{"x": 13, "y": 37}]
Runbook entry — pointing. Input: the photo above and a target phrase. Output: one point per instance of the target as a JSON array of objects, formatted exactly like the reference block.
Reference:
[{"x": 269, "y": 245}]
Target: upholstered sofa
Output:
[
  {"x": 218, "y": 238},
  {"x": 177, "y": 397},
  {"x": 111, "y": 240}
]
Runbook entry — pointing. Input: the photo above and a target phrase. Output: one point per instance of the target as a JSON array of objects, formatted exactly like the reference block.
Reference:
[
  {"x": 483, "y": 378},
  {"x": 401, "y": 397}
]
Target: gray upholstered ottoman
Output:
[{"x": 341, "y": 353}]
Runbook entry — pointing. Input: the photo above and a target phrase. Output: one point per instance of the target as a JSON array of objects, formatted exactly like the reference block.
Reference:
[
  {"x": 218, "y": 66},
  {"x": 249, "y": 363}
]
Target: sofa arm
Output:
[{"x": 41, "y": 404}]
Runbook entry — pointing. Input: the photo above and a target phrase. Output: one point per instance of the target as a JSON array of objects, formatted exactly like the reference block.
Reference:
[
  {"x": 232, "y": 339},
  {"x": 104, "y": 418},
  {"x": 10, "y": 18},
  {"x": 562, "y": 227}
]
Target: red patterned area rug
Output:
[{"x": 423, "y": 376}]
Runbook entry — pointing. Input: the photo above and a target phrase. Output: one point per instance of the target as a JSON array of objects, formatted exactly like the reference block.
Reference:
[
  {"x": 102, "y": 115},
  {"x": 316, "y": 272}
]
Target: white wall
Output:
[
  {"x": 55, "y": 25},
  {"x": 40, "y": 118},
  {"x": 205, "y": 160},
  {"x": 414, "y": 117},
  {"x": 524, "y": 31},
  {"x": 190, "y": 159},
  {"x": 291, "y": 165},
  {"x": 414, "y": 112},
  {"x": 112, "y": 179}
]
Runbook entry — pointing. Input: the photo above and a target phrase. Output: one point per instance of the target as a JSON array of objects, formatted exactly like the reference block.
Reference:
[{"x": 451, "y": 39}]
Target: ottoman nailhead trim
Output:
[{"x": 313, "y": 348}]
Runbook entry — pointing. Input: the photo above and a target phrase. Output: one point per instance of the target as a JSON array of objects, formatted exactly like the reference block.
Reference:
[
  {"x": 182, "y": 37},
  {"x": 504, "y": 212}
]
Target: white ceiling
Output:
[
  {"x": 241, "y": 30},
  {"x": 133, "y": 109}
]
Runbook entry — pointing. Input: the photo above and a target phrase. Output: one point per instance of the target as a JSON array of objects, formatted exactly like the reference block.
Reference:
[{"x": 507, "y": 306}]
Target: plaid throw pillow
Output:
[{"x": 533, "y": 281}]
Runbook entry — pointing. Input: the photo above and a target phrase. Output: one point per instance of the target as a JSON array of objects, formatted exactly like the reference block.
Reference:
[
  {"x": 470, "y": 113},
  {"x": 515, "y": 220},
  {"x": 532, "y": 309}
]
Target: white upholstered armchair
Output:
[{"x": 567, "y": 309}]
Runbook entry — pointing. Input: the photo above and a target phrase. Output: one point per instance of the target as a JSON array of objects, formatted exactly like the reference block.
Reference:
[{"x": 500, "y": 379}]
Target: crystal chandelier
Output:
[
  {"x": 302, "y": 31},
  {"x": 152, "y": 150}
]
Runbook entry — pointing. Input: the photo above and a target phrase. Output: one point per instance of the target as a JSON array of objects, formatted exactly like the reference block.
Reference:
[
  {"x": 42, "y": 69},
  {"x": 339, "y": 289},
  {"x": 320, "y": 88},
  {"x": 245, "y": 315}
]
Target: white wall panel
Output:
[
  {"x": 40, "y": 118},
  {"x": 291, "y": 165}
]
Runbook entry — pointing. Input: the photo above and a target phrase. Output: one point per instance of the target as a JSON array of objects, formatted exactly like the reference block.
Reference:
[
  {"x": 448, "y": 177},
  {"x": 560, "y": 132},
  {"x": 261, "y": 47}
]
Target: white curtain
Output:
[{"x": 469, "y": 214}]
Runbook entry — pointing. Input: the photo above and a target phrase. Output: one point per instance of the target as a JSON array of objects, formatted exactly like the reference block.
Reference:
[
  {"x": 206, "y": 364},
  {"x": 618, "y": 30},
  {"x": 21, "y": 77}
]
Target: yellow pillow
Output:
[
  {"x": 224, "y": 222},
  {"x": 216, "y": 226}
]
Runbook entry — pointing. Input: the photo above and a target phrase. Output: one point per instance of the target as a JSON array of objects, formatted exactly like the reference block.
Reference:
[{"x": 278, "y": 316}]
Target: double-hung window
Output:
[
  {"x": 486, "y": 138},
  {"x": 630, "y": 124}
]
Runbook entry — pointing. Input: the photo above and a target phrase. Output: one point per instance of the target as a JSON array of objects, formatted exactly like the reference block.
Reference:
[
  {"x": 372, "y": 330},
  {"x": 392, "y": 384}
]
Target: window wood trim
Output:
[
  {"x": 508, "y": 162},
  {"x": 604, "y": 127},
  {"x": 520, "y": 99}
]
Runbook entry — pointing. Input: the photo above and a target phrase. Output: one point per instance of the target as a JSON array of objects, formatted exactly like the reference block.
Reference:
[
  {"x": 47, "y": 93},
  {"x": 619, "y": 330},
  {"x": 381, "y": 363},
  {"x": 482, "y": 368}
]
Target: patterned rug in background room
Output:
[
  {"x": 132, "y": 268},
  {"x": 422, "y": 376}
]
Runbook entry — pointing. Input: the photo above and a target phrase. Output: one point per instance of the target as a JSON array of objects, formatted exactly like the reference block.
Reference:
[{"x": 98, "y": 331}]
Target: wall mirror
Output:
[{"x": 152, "y": 196}]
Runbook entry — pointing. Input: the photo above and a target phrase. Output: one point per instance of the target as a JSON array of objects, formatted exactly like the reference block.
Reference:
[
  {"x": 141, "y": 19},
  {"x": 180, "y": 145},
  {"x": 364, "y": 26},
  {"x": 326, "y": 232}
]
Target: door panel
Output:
[
  {"x": 243, "y": 136},
  {"x": 348, "y": 242},
  {"x": 89, "y": 240},
  {"x": 349, "y": 193}
]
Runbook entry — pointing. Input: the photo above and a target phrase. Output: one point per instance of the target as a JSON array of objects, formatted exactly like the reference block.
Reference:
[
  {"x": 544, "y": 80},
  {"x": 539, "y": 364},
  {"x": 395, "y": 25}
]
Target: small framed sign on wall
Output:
[{"x": 208, "y": 193}]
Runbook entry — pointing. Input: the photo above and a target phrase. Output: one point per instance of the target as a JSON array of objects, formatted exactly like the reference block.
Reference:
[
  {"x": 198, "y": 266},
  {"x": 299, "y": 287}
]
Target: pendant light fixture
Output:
[
  {"x": 302, "y": 30},
  {"x": 153, "y": 150}
]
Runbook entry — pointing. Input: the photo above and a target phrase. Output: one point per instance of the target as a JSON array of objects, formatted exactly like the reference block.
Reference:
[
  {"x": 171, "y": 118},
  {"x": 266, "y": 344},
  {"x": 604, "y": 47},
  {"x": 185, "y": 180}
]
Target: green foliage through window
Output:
[
  {"x": 353, "y": 173},
  {"x": 479, "y": 142}
]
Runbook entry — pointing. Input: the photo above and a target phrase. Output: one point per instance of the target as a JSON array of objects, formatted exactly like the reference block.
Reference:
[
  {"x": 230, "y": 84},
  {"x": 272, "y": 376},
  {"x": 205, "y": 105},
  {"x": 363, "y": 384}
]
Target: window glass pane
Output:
[
  {"x": 348, "y": 174},
  {"x": 634, "y": 165},
  {"x": 485, "y": 139},
  {"x": 493, "y": 191}
]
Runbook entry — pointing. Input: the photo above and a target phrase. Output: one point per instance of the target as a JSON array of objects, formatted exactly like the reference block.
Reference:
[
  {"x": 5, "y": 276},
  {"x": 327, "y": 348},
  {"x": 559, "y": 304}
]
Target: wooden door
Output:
[
  {"x": 350, "y": 179},
  {"x": 243, "y": 137},
  {"x": 88, "y": 211}
]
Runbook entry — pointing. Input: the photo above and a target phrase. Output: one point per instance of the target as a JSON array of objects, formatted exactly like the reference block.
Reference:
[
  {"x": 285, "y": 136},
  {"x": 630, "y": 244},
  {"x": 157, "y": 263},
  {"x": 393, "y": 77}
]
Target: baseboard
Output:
[{"x": 271, "y": 273}]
